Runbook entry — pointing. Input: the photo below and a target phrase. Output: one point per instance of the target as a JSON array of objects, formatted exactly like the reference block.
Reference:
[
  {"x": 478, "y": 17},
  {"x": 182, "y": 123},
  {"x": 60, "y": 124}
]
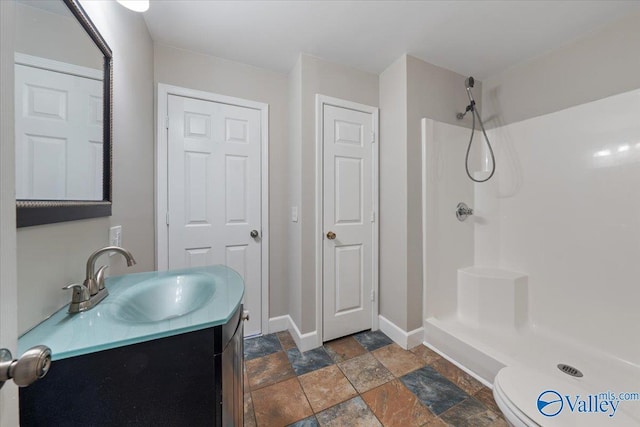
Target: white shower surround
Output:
[{"x": 564, "y": 209}]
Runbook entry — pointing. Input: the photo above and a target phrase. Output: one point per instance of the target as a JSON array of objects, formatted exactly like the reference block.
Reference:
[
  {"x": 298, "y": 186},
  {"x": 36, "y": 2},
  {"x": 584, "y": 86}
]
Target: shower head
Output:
[{"x": 469, "y": 82}]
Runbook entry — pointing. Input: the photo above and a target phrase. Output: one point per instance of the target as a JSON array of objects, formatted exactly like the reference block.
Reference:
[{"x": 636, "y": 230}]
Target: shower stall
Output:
[{"x": 545, "y": 272}]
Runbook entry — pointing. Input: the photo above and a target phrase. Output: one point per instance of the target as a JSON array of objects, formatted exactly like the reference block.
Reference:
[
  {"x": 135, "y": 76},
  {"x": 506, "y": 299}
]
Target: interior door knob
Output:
[
  {"x": 254, "y": 233},
  {"x": 331, "y": 235},
  {"x": 33, "y": 365}
]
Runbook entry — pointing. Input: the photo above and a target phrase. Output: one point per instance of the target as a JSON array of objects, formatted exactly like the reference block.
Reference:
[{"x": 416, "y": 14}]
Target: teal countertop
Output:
[{"x": 100, "y": 328}]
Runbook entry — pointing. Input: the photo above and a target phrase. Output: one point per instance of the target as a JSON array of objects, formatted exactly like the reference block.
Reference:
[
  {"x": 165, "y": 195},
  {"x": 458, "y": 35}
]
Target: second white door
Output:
[
  {"x": 214, "y": 192},
  {"x": 59, "y": 131},
  {"x": 349, "y": 220}
]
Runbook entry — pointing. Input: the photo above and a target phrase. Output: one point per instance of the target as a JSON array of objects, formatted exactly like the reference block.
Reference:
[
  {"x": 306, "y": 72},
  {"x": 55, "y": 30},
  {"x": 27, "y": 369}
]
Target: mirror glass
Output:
[{"x": 61, "y": 112}]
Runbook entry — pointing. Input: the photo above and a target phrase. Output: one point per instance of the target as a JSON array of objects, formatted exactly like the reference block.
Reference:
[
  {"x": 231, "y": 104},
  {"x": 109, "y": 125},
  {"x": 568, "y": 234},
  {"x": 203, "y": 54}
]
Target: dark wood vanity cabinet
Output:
[{"x": 191, "y": 379}]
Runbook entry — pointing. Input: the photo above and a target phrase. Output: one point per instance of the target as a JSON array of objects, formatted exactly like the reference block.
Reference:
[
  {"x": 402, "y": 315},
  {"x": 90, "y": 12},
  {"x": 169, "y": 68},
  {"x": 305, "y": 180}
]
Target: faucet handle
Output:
[
  {"x": 80, "y": 292},
  {"x": 100, "y": 277}
]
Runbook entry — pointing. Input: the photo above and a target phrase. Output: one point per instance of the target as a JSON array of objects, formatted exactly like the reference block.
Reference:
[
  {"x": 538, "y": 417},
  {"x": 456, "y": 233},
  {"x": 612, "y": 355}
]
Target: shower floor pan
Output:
[{"x": 484, "y": 351}]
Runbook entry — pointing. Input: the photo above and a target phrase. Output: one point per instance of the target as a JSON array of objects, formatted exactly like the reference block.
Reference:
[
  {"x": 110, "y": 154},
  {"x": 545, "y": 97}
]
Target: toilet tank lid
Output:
[{"x": 568, "y": 398}]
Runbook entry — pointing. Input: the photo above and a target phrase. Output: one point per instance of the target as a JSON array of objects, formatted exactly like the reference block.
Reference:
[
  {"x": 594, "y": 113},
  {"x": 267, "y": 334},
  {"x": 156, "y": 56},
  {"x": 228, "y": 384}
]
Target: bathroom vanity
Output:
[{"x": 122, "y": 364}]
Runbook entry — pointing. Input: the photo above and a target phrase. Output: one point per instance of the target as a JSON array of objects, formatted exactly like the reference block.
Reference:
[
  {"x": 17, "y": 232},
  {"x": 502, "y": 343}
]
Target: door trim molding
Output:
[
  {"x": 426, "y": 128},
  {"x": 57, "y": 66},
  {"x": 321, "y": 101},
  {"x": 161, "y": 184},
  {"x": 8, "y": 259}
]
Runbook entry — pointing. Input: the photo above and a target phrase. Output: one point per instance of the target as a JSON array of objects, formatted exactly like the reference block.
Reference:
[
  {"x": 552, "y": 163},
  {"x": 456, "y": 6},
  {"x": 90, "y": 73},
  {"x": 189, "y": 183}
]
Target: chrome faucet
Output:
[
  {"x": 95, "y": 282},
  {"x": 92, "y": 290}
]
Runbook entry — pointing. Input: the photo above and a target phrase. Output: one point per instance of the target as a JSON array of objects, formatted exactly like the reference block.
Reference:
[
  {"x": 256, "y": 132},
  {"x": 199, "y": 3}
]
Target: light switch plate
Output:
[{"x": 115, "y": 237}]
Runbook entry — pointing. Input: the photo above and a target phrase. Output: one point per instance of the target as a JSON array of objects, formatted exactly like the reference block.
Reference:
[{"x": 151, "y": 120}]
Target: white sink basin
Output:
[{"x": 166, "y": 297}]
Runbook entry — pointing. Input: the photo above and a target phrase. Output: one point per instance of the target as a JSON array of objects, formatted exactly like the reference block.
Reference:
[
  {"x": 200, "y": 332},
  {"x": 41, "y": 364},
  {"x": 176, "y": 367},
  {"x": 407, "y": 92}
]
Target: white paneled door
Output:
[
  {"x": 214, "y": 192},
  {"x": 349, "y": 220}
]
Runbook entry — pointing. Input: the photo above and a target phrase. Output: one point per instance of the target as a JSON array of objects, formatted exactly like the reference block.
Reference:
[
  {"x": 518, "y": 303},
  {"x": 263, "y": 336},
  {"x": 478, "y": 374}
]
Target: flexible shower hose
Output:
[{"x": 493, "y": 159}]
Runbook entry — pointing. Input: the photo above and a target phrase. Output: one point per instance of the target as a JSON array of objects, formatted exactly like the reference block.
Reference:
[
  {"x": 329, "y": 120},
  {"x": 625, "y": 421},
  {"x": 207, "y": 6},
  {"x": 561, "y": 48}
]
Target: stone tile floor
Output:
[{"x": 360, "y": 380}]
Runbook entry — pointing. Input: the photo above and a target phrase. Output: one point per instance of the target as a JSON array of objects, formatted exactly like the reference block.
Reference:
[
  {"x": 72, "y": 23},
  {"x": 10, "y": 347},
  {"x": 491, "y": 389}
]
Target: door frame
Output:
[
  {"x": 321, "y": 101},
  {"x": 8, "y": 258},
  {"x": 161, "y": 184},
  {"x": 57, "y": 66}
]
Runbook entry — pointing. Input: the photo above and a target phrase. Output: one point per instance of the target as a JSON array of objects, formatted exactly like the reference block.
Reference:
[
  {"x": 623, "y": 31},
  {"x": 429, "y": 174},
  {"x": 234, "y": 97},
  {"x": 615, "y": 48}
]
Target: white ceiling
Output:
[{"x": 478, "y": 38}]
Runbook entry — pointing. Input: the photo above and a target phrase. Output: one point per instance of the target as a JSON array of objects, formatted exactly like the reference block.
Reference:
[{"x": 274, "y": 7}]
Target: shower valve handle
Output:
[{"x": 463, "y": 211}]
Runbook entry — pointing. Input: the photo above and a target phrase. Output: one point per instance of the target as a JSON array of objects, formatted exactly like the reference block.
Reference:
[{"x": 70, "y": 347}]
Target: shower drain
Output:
[{"x": 570, "y": 370}]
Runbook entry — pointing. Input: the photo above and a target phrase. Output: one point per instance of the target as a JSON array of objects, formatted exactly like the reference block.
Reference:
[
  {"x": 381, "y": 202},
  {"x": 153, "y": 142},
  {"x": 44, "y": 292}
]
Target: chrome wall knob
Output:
[
  {"x": 254, "y": 233},
  {"x": 463, "y": 211},
  {"x": 33, "y": 365}
]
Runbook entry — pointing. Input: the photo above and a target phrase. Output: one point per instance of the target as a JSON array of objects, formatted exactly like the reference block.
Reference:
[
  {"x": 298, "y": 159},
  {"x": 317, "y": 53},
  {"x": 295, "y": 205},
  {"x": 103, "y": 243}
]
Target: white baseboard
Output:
[
  {"x": 305, "y": 342},
  {"x": 415, "y": 337},
  {"x": 278, "y": 324},
  {"x": 404, "y": 339}
]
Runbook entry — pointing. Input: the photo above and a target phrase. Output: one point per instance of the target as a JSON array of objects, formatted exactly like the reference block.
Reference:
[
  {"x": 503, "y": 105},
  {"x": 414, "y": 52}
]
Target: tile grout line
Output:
[{"x": 313, "y": 412}]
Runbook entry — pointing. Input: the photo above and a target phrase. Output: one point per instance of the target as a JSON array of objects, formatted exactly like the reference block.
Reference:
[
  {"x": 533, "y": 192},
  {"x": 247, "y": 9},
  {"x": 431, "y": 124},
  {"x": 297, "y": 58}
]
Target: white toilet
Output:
[
  {"x": 516, "y": 391},
  {"x": 514, "y": 416}
]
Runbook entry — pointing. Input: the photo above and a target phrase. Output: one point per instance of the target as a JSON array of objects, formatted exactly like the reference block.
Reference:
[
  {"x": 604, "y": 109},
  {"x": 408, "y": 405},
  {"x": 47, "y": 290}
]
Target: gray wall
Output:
[
  {"x": 51, "y": 256},
  {"x": 294, "y": 278},
  {"x": 208, "y": 73},
  {"x": 393, "y": 193},
  {"x": 410, "y": 89},
  {"x": 318, "y": 76},
  {"x": 602, "y": 64}
]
